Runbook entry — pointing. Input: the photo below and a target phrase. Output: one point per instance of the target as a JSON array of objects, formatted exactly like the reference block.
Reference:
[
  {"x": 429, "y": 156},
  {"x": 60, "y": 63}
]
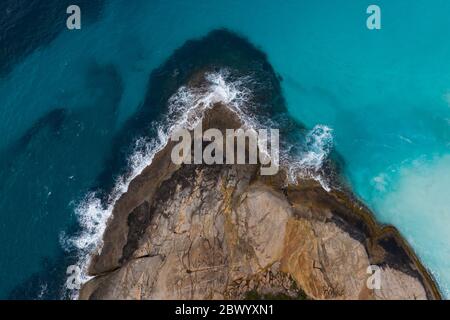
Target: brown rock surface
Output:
[{"x": 223, "y": 232}]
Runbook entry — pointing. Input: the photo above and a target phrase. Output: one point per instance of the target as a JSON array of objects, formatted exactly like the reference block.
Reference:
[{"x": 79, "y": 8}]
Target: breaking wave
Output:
[
  {"x": 185, "y": 110},
  {"x": 308, "y": 163}
]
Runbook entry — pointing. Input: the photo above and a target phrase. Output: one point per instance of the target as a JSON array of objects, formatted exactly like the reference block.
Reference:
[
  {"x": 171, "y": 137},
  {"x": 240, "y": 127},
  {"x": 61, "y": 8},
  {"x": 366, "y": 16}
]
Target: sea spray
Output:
[
  {"x": 309, "y": 161},
  {"x": 185, "y": 109}
]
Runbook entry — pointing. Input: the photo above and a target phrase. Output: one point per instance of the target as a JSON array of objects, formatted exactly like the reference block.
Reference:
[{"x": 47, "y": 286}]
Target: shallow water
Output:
[{"x": 384, "y": 93}]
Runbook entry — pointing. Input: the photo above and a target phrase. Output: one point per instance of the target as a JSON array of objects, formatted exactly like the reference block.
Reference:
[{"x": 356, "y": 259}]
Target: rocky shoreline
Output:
[{"x": 226, "y": 232}]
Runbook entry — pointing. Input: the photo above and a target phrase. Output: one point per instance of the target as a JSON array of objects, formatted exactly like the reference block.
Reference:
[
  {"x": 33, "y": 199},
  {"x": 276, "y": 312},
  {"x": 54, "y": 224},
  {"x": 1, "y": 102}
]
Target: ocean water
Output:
[{"x": 64, "y": 95}]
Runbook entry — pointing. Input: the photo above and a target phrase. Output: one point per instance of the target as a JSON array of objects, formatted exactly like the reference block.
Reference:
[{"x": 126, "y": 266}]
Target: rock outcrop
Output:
[{"x": 226, "y": 232}]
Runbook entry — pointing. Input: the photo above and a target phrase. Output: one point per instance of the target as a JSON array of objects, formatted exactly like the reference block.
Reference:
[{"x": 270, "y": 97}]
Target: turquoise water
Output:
[{"x": 385, "y": 93}]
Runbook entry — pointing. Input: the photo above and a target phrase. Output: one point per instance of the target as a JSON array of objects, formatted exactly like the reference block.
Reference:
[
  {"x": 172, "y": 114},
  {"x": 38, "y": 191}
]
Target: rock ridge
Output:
[{"x": 226, "y": 232}]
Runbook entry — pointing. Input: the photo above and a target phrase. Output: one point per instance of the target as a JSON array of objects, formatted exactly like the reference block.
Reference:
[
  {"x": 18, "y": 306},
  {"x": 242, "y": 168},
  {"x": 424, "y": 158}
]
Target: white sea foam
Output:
[
  {"x": 185, "y": 110},
  {"x": 43, "y": 289},
  {"x": 309, "y": 162},
  {"x": 319, "y": 142}
]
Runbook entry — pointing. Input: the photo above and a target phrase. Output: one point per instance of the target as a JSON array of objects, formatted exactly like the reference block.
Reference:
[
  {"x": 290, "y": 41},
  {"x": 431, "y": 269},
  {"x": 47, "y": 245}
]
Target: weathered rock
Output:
[{"x": 224, "y": 232}]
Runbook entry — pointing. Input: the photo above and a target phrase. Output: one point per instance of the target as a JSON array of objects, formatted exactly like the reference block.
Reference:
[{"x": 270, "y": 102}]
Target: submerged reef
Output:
[{"x": 197, "y": 231}]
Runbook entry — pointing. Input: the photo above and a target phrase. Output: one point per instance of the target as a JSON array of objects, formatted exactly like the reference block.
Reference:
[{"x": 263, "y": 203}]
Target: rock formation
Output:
[{"x": 226, "y": 232}]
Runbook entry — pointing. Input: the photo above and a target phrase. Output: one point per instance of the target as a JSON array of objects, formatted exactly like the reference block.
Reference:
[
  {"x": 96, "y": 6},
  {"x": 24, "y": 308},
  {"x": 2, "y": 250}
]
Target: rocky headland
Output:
[{"x": 227, "y": 232}]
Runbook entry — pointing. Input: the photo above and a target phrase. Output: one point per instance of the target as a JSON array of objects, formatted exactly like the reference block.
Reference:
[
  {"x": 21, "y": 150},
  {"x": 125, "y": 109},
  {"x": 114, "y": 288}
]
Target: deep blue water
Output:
[{"x": 65, "y": 94}]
